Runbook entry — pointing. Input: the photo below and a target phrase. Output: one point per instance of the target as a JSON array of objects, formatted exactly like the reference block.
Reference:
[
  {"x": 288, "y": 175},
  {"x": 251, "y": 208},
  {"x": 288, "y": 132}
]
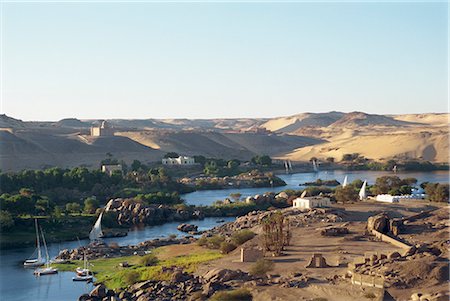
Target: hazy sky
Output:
[{"x": 200, "y": 60}]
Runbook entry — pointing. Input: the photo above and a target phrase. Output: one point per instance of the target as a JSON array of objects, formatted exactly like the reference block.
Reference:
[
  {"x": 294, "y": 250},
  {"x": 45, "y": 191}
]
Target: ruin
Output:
[
  {"x": 368, "y": 280},
  {"x": 251, "y": 254},
  {"x": 317, "y": 261}
]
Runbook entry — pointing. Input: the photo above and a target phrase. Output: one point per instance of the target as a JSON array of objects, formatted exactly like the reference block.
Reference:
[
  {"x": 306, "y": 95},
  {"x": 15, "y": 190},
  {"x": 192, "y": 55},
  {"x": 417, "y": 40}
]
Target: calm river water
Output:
[
  {"x": 18, "y": 283},
  {"x": 207, "y": 197}
]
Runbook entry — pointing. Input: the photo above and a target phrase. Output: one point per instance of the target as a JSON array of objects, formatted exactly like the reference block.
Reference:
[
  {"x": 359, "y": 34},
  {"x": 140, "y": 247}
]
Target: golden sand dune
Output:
[
  {"x": 436, "y": 119},
  {"x": 424, "y": 145}
]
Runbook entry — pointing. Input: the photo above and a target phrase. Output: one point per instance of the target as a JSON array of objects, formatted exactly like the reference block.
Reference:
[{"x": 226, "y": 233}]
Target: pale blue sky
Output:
[{"x": 199, "y": 60}]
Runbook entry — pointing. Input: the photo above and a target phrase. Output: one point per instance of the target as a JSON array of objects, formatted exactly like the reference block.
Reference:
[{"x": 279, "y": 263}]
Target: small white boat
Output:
[
  {"x": 48, "y": 270},
  {"x": 39, "y": 261},
  {"x": 82, "y": 272},
  {"x": 45, "y": 271},
  {"x": 87, "y": 278}
]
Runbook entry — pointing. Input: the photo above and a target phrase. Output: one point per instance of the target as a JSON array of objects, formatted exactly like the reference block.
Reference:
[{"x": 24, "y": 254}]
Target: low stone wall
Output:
[
  {"x": 368, "y": 280},
  {"x": 391, "y": 240}
]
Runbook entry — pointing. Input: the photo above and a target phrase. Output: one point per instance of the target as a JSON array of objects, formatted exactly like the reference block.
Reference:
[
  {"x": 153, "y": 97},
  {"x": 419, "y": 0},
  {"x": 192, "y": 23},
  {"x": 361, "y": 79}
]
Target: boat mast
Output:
[
  {"x": 47, "y": 262},
  {"x": 38, "y": 243}
]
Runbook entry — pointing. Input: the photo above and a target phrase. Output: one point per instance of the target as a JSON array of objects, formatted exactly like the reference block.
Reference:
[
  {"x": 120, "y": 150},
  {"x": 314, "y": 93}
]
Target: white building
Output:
[
  {"x": 311, "y": 202},
  {"x": 111, "y": 168},
  {"x": 387, "y": 198},
  {"x": 181, "y": 160}
]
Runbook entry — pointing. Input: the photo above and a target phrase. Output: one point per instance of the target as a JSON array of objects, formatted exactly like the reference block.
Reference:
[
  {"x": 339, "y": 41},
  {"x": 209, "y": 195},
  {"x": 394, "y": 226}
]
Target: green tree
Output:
[
  {"x": 346, "y": 194},
  {"x": 6, "y": 220},
  {"x": 171, "y": 155},
  {"x": 136, "y": 165},
  {"x": 437, "y": 192},
  {"x": 73, "y": 207},
  {"x": 90, "y": 205}
]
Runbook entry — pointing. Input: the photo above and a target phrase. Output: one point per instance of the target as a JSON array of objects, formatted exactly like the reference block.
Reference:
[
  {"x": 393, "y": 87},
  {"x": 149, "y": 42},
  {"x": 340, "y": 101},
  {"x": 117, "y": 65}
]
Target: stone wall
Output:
[
  {"x": 251, "y": 254},
  {"x": 368, "y": 280}
]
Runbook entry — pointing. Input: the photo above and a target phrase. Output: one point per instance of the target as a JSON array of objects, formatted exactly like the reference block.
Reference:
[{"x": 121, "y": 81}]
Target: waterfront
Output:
[
  {"x": 18, "y": 283},
  {"x": 207, "y": 197}
]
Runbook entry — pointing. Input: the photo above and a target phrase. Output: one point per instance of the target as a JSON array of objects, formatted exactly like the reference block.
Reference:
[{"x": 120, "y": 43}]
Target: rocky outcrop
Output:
[
  {"x": 297, "y": 217},
  {"x": 378, "y": 223},
  {"x": 188, "y": 228},
  {"x": 101, "y": 250},
  {"x": 135, "y": 212}
]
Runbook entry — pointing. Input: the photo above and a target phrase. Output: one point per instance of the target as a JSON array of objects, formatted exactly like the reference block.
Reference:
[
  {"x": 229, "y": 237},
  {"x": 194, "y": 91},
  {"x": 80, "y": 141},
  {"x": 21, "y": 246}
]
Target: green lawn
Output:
[{"x": 113, "y": 276}]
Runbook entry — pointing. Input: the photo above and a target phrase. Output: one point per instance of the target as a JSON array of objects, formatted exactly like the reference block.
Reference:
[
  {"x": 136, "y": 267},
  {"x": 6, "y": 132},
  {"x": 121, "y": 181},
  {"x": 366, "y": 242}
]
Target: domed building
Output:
[{"x": 103, "y": 129}]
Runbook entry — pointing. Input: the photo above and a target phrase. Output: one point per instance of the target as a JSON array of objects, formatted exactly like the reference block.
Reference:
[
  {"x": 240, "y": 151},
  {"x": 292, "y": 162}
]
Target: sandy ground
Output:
[{"x": 338, "y": 252}]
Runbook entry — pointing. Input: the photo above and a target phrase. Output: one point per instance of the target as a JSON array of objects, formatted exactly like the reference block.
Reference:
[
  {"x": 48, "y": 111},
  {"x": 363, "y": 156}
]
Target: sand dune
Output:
[
  {"x": 299, "y": 137},
  {"x": 426, "y": 146}
]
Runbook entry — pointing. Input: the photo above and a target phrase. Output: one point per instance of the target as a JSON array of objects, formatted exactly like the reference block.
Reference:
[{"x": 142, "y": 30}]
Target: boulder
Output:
[
  {"x": 223, "y": 275},
  {"x": 187, "y": 228},
  {"x": 99, "y": 291},
  {"x": 379, "y": 223}
]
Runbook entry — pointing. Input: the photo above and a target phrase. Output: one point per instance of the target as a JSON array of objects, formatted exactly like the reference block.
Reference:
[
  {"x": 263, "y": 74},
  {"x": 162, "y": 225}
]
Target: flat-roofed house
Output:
[{"x": 311, "y": 202}]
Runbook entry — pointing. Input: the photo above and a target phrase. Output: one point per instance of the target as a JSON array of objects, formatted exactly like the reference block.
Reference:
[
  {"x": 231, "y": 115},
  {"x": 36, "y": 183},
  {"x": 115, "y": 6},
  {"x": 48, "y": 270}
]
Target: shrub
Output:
[
  {"x": 227, "y": 247},
  {"x": 131, "y": 277},
  {"x": 215, "y": 241},
  {"x": 235, "y": 295},
  {"x": 238, "y": 238},
  {"x": 370, "y": 295},
  {"x": 261, "y": 267},
  {"x": 202, "y": 241},
  {"x": 148, "y": 260}
]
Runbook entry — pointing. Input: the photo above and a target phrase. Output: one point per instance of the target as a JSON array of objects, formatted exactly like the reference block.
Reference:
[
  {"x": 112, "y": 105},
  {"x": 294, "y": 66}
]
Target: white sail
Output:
[
  {"x": 290, "y": 164},
  {"x": 362, "y": 192},
  {"x": 345, "y": 182},
  {"x": 96, "y": 232},
  {"x": 315, "y": 167},
  {"x": 39, "y": 258},
  {"x": 286, "y": 166}
]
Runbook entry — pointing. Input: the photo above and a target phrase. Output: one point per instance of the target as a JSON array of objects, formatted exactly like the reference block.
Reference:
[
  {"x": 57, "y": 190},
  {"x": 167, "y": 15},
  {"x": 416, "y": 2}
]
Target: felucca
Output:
[
  {"x": 35, "y": 262},
  {"x": 48, "y": 270}
]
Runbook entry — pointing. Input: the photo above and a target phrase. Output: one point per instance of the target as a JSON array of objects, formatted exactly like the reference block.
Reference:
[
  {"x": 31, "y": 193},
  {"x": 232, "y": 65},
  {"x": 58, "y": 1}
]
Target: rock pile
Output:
[
  {"x": 181, "y": 286},
  {"x": 188, "y": 228},
  {"x": 135, "y": 212},
  {"x": 101, "y": 250},
  {"x": 297, "y": 217}
]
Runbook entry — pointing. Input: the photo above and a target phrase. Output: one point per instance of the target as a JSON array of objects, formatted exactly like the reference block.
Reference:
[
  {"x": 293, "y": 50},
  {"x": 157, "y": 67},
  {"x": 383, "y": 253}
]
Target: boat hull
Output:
[
  {"x": 47, "y": 271},
  {"x": 33, "y": 263}
]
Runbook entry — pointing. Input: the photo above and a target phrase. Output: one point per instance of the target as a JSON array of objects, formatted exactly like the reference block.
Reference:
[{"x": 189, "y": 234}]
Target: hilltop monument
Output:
[{"x": 104, "y": 129}]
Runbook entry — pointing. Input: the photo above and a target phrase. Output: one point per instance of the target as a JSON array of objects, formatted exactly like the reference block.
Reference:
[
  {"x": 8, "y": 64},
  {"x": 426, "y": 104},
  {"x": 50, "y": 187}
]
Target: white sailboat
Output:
[
  {"x": 83, "y": 274},
  {"x": 286, "y": 167},
  {"x": 39, "y": 261},
  {"x": 362, "y": 192},
  {"x": 48, "y": 270},
  {"x": 290, "y": 165},
  {"x": 394, "y": 169},
  {"x": 345, "y": 182},
  {"x": 315, "y": 166},
  {"x": 96, "y": 232}
]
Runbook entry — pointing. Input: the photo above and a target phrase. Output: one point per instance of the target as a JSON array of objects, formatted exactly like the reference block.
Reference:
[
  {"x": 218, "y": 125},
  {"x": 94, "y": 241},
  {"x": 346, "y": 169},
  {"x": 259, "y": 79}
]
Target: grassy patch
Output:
[{"x": 109, "y": 272}]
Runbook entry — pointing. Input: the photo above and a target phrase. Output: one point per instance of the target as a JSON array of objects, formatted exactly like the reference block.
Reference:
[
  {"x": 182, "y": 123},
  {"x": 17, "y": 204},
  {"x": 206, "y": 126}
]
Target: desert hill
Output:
[{"x": 299, "y": 137}]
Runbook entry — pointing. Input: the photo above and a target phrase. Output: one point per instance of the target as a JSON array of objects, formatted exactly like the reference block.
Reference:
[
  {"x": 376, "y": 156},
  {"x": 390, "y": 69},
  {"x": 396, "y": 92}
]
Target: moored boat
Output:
[
  {"x": 39, "y": 261},
  {"x": 47, "y": 270}
]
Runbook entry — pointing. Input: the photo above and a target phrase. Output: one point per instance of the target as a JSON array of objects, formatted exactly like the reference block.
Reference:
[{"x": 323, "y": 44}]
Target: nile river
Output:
[{"x": 18, "y": 283}]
